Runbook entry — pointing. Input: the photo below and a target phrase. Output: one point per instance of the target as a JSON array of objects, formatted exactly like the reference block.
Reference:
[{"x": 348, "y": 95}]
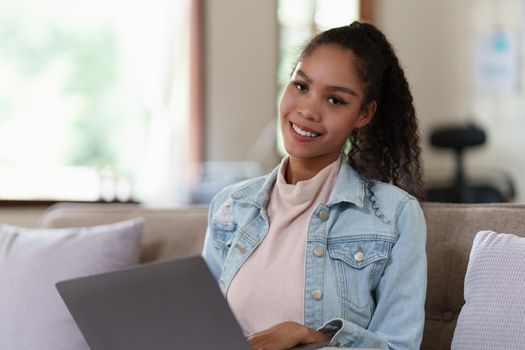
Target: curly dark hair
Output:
[{"x": 387, "y": 149}]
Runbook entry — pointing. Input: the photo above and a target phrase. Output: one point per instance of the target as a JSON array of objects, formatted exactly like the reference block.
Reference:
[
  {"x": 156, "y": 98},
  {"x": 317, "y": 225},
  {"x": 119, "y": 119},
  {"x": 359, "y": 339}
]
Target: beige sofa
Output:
[{"x": 451, "y": 229}]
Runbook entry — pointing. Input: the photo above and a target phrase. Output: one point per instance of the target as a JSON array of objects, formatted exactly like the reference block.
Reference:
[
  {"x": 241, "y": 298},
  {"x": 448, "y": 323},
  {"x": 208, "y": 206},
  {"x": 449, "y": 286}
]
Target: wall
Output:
[
  {"x": 434, "y": 41},
  {"x": 240, "y": 69}
]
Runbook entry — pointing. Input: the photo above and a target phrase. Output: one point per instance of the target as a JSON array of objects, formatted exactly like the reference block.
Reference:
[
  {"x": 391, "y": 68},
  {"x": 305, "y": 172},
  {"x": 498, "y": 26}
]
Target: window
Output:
[{"x": 82, "y": 86}]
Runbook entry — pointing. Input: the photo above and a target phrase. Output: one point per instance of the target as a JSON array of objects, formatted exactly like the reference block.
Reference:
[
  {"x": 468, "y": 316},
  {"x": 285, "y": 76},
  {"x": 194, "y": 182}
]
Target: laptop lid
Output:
[{"x": 173, "y": 304}]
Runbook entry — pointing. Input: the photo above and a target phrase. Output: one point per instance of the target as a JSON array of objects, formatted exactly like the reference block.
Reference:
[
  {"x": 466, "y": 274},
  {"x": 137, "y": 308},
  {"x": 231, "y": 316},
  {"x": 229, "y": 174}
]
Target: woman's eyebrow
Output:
[
  {"x": 342, "y": 89},
  {"x": 305, "y": 77}
]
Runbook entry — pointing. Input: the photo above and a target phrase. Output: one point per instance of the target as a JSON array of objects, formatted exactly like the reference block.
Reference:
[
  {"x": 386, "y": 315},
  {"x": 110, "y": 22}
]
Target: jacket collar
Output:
[
  {"x": 255, "y": 193},
  {"x": 349, "y": 187}
]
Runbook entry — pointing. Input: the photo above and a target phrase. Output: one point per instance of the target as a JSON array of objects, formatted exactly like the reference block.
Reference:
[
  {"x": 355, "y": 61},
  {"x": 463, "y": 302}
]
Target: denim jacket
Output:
[{"x": 365, "y": 263}]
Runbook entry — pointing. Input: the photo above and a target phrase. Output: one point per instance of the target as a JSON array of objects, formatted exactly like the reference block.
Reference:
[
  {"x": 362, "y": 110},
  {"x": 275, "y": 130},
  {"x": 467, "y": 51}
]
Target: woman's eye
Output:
[
  {"x": 300, "y": 86},
  {"x": 336, "y": 101}
]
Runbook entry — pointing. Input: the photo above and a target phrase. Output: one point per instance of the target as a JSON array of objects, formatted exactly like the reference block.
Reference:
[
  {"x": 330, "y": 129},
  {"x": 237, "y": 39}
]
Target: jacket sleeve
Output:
[{"x": 398, "y": 320}]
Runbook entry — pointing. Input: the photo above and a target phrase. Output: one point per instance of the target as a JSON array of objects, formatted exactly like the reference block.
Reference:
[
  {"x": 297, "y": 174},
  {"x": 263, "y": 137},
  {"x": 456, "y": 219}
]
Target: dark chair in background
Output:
[{"x": 496, "y": 187}]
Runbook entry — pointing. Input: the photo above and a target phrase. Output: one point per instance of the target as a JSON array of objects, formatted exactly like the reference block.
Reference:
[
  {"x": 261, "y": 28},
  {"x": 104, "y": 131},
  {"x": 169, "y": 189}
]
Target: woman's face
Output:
[{"x": 321, "y": 105}]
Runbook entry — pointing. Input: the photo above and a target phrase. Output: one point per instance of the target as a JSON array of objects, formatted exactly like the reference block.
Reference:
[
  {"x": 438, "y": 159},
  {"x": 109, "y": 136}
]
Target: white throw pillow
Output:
[
  {"x": 493, "y": 316},
  {"x": 32, "y": 313}
]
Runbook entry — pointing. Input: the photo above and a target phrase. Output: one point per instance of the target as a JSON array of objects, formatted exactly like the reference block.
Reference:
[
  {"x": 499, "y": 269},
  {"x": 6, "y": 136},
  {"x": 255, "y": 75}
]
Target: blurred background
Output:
[{"x": 165, "y": 102}]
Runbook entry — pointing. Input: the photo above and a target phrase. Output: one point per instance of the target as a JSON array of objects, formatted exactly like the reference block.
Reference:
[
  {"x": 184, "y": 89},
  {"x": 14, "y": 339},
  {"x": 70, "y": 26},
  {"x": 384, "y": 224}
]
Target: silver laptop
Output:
[{"x": 172, "y": 304}]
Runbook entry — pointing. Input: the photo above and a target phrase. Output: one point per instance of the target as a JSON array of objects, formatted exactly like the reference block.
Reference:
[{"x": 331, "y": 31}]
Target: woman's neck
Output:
[{"x": 301, "y": 169}]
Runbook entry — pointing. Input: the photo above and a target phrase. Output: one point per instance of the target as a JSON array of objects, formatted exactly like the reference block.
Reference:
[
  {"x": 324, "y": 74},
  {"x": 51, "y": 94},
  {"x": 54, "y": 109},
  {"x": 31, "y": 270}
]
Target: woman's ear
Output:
[{"x": 366, "y": 114}]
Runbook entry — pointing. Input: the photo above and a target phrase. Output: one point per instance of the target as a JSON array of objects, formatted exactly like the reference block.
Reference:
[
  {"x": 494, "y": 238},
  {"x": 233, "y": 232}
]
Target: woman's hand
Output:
[{"x": 285, "y": 335}]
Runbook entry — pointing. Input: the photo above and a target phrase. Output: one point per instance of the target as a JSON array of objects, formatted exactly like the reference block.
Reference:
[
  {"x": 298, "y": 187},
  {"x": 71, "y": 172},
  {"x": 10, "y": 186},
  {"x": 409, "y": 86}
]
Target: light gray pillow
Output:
[
  {"x": 32, "y": 313},
  {"x": 493, "y": 316}
]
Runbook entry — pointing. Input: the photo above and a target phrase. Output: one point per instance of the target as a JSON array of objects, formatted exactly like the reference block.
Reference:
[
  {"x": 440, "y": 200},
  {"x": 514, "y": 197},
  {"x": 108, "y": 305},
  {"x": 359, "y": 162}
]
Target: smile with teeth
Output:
[{"x": 303, "y": 132}]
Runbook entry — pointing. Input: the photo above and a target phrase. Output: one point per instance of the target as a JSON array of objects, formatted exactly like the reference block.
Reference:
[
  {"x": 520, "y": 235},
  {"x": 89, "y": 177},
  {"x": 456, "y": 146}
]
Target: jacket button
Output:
[
  {"x": 317, "y": 294},
  {"x": 359, "y": 256},
  {"x": 319, "y": 251},
  {"x": 323, "y": 215}
]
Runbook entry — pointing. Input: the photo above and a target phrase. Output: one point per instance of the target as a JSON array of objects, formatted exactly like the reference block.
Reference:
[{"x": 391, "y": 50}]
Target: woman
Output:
[{"x": 331, "y": 244}]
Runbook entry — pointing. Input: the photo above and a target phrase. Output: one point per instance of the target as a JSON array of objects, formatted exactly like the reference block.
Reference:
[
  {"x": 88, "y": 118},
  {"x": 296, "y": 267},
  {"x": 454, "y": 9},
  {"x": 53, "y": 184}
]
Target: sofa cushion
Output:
[
  {"x": 33, "y": 316},
  {"x": 494, "y": 312}
]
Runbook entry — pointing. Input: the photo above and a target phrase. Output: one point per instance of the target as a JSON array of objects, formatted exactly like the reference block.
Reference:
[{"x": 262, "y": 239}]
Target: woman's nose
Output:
[{"x": 308, "y": 109}]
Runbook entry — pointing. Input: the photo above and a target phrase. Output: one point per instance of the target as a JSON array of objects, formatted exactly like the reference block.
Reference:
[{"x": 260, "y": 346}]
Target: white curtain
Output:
[{"x": 156, "y": 40}]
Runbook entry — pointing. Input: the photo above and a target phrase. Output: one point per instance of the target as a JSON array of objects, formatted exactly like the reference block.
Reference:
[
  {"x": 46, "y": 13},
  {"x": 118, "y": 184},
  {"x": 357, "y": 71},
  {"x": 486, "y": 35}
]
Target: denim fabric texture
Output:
[{"x": 365, "y": 263}]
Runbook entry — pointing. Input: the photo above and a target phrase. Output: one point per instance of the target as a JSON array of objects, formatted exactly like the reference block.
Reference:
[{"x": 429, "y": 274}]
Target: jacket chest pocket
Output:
[{"x": 358, "y": 265}]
